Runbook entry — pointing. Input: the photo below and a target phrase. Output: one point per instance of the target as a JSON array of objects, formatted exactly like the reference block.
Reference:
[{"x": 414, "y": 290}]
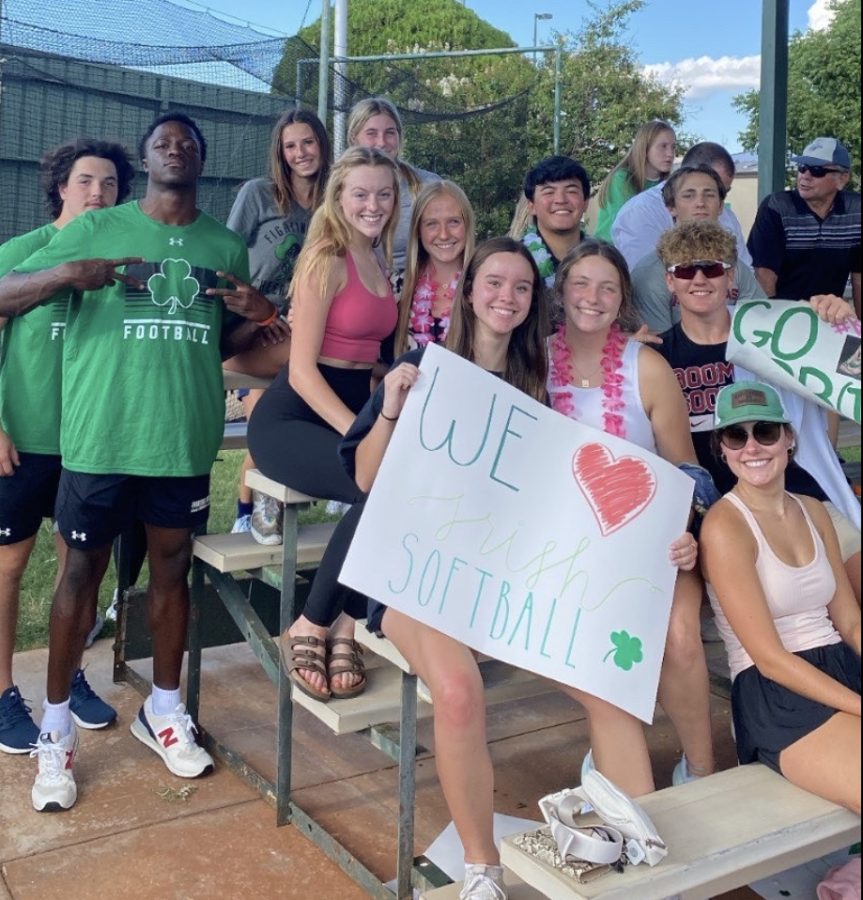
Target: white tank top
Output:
[
  {"x": 797, "y": 596},
  {"x": 588, "y": 401}
]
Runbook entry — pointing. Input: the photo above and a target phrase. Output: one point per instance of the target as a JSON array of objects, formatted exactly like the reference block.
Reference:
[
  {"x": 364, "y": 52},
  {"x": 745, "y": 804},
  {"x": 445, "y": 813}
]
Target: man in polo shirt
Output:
[
  {"x": 806, "y": 241},
  {"x": 557, "y": 191}
]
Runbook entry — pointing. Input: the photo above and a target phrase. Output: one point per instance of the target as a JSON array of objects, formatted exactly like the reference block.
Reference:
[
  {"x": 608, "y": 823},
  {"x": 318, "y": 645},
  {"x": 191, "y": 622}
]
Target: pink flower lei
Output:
[
  {"x": 422, "y": 318},
  {"x": 612, "y": 381}
]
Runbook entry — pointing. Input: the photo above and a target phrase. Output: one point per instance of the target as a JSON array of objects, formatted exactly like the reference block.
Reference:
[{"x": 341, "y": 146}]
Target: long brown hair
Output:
[
  {"x": 634, "y": 163},
  {"x": 417, "y": 257},
  {"x": 280, "y": 171},
  {"x": 627, "y": 316},
  {"x": 526, "y": 358},
  {"x": 329, "y": 234}
]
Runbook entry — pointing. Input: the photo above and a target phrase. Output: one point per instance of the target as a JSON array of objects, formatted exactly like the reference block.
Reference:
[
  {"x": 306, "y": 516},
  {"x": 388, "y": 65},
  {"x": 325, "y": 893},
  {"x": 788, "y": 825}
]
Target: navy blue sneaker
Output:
[
  {"x": 89, "y": 710},
  {"x": 18, "y": 731}
]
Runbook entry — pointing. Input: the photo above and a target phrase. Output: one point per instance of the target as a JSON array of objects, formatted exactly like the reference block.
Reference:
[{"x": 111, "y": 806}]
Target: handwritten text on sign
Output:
[
  {"x": 785, "y": 342},
  {"x": 523, "y": 534}
]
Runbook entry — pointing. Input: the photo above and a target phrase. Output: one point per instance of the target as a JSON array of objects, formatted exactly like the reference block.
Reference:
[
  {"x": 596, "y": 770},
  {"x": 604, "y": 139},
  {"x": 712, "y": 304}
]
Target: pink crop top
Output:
[{"x": 358, "y": 321}]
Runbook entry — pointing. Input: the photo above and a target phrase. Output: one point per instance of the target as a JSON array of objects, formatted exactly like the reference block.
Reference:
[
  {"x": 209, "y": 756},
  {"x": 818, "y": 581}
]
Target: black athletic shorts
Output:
[
  {"x": 93, "y": 509},
  {"x": 28, "y": 496}
]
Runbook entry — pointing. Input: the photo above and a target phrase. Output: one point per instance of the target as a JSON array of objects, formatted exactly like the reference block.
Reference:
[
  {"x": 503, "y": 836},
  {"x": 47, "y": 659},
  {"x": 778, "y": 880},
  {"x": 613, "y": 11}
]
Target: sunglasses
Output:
[
  {"x": 817, "y": 171},
  {"x": 735, "y": 437},
  {"x": 712, "y": 268}
]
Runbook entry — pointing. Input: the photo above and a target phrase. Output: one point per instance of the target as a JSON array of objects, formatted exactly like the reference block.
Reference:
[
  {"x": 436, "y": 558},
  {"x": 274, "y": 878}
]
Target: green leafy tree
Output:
[
  {"x": 823, "y": 86},
  {"x": 605, "y": 95}
]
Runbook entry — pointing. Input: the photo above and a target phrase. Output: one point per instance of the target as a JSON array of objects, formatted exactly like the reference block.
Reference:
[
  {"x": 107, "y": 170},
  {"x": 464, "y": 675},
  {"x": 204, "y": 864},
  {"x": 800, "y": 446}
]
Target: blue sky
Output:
[{"x": 712, "y": 48}]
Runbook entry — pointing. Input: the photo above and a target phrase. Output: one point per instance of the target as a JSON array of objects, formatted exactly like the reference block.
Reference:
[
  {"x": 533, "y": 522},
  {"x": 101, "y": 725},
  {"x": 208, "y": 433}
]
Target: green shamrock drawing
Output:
[
  {"x": 289, "y": 248},
  {"x": 626, "y": 650},
  {"x": 174, "y": 285}
]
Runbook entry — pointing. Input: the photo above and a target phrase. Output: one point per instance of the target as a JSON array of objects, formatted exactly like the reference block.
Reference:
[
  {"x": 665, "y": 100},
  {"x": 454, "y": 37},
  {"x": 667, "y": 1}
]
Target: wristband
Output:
[
  {"x": 270, "y": 319},
  {"x": 383, "y": 415}
]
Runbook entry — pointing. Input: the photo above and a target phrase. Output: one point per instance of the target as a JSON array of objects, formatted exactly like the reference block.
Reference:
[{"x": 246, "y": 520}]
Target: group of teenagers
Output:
[{"x": 379, "y": 259}]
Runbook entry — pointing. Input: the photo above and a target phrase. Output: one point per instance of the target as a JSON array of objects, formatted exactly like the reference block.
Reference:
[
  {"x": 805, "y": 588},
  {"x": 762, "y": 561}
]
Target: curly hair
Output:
[
  {"x": 694, "y": 240},
  {"x": 56, "y": 167}
]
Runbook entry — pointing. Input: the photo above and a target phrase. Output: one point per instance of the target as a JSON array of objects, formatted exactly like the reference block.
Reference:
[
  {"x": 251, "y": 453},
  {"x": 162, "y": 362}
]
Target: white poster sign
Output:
[
  {"x": 786, "y": 343},
  {"x": 527, "y": 536}
]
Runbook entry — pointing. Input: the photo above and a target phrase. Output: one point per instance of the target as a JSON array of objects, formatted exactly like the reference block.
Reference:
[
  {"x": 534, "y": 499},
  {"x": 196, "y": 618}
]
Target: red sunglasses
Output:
[{"x": 712, "y": 268}]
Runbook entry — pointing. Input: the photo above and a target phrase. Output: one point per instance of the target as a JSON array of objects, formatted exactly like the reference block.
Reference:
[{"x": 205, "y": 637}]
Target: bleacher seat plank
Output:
[
  {"x": 723, "y": 831},
  {"x": 259, "y": 482},
  {"x": 381, "y": 647},
  {"x": 241, "y": 552},
  {"x": 236, "y": 380}
]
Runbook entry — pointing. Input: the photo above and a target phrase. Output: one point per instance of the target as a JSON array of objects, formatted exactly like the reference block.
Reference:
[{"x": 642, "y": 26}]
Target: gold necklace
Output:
[{"x": 585, "y": 381}]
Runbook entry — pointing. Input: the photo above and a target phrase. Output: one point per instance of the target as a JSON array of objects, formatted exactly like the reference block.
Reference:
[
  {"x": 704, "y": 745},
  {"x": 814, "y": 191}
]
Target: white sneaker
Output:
[
  {"x": 483, "y": 883},
  {"x": 111, "y": 611},
  {"x": 682, "y": 774},
  {"x": 242, "y": 524},
  {"x": 54, "y": 788},
  {"x": 173, "y": 738}
]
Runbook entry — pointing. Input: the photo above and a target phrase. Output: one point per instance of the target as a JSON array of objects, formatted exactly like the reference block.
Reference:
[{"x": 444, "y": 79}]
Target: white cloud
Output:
[
  {"x": 819, "y": 15},
  {"x": 701, "y": 77}
]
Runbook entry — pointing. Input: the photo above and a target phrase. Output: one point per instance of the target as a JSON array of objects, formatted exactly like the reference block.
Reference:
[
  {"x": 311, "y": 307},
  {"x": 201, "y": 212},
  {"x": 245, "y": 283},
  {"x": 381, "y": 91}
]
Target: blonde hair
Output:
[
  {"x": 634, "y": 163},
  {"x": 329, "y": 234},
  {"x": 693, "y": 240},
  {"x": 521, "y": 218},
  {"x": 417, "y": 256},
  {"x": 526, "y": 358},
  {"x": 379, "y": 106}
]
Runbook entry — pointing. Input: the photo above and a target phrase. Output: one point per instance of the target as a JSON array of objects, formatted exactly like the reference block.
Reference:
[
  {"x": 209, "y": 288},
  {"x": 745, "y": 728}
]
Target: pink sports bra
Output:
[{"x": 358, "y": 320}]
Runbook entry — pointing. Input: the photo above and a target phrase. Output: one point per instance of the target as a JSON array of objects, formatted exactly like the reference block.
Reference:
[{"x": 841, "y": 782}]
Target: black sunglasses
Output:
[
  {"x": 735, "y": 437},
  {"x": 712, "y": 268},
  {"x": 817, "y": 171}
]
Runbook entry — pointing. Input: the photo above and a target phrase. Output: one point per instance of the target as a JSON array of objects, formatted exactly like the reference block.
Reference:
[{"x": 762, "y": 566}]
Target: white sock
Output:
[
  {"x": 56, "y": 717},
  {"x": 165, "y": 702}
]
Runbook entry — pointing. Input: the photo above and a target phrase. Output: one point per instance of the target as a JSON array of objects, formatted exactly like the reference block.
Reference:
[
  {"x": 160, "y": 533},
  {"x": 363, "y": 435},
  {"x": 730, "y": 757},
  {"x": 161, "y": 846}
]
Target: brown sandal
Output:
[
  {"x": 343, "y": 663},
  {"x": 308, "y": 653}
]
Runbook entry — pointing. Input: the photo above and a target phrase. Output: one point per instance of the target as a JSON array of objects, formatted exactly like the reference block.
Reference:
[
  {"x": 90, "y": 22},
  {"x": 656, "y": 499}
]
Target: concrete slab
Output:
[{"x": 219, "y": 854}]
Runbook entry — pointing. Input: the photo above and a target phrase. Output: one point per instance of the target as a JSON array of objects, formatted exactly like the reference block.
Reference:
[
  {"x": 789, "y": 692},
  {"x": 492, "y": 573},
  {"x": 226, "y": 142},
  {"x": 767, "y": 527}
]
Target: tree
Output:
[
  {"x": 605, "y": 95},
  {"x": 823, "y": 86}
]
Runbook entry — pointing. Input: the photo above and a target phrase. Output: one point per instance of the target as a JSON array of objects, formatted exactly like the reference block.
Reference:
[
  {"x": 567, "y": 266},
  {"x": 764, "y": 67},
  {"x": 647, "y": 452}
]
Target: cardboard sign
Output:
[
  {"x": 527, "y": 536},
  {"x": 784, "y": 342}
]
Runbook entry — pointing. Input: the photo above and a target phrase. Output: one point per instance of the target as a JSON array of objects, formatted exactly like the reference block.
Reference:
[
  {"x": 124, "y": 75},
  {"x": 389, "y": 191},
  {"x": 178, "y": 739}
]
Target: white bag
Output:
[{"x": 626, "y": 832}]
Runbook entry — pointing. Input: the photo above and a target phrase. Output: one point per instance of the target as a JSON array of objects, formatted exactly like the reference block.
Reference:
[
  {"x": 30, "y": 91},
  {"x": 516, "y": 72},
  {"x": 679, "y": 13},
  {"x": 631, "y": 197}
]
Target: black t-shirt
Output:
[{"x": 701, "y": 370}]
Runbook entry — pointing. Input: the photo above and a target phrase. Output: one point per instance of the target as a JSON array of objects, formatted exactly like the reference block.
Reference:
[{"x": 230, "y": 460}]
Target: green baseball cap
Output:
[{"x": 748, "y": 401}]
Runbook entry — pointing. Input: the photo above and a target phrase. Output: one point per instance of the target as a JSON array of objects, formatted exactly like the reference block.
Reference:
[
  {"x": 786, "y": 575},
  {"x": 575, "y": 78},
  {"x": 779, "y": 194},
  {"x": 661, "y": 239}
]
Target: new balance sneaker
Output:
[
  {"x": 482, "y": 883},
  {"x": 242, "y": 524},
  {"x": 266, "y": 525},
  {"x": 88, "y": 709},
  {"x": 54, "y": 788},
  {"x": 173, "y": 738},
  {"x": 18, "y": 731}
]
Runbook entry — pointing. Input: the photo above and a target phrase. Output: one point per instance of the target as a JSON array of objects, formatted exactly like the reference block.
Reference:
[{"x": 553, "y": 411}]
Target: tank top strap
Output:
[
  {"x": 754, "y": 527},
  {"x": 760, "y": 539}
]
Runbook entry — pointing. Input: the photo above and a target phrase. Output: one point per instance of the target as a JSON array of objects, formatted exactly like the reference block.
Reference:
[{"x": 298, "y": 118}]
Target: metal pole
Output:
[
  {"x": 324, "y": 68},
  {"x": 558, "y": 73},
  {"x": 535, "y": 23},
  {"x": 340, "y": 48},
  {"x": 773, "y": 98}
]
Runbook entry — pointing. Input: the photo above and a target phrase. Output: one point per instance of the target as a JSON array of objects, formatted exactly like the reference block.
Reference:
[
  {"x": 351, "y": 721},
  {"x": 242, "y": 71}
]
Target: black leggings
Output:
[{"x": 293, "y": 445}]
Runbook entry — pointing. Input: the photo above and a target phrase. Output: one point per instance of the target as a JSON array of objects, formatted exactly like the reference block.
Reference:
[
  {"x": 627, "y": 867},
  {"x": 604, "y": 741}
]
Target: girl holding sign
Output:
[
  {"x": 783, "y": 605},
  {"x": 602, "y": 378},
  {"x": 441, "y": 238},
  {"x": 343, "y": 309},
  {"x": 499, "y": 321}
]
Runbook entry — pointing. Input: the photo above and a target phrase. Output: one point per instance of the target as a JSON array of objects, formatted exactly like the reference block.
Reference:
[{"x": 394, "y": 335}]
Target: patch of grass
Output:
[
  {"x": 850, "y": 454},
  {"x": 37, "y": 587}
]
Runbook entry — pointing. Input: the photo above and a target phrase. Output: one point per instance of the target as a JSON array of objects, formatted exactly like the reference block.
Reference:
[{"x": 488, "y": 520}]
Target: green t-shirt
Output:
[
  {"x": 142, "y": 375},
  {"x": 620, "y": 190},
  {"x": 31, "y": 358}
]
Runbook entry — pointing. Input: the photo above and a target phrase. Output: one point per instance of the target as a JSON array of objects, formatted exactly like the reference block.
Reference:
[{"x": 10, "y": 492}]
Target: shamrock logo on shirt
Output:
[
  {"x": 289, "y": 248},
  {"x": 626, "y": 650},
  {"x": 173, "y": 285}
]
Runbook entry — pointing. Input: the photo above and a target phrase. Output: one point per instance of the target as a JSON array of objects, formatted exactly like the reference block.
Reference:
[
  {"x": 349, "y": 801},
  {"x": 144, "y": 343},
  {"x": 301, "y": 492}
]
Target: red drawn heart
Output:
[{"x": 617, "y": 490}]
